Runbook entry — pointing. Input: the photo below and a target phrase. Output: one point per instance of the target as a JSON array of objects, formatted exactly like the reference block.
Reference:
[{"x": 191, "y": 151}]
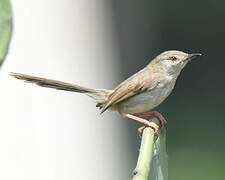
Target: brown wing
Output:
[{"x": 137, "y": 83}]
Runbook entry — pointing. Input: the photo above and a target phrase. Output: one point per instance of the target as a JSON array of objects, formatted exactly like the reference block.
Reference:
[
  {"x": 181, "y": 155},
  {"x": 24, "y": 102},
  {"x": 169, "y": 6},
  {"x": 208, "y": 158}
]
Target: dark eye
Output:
[{"x": 173, "y": 58}]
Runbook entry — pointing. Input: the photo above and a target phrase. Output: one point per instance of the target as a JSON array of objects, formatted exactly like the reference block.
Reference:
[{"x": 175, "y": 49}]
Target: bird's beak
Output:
[{"x": 193, "y": 56}]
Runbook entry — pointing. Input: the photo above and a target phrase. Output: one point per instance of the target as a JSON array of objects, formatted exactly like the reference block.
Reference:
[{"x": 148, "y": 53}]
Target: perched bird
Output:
[{"x": 137, "y": 95}]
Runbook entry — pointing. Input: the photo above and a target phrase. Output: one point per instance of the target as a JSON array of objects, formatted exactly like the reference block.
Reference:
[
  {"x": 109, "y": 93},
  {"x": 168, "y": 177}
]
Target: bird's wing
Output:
[{"x": 137, "y": 83}]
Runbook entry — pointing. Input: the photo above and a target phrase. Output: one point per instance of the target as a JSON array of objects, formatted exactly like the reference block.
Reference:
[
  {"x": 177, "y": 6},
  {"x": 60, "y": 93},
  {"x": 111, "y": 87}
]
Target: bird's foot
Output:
[
  {"x": 146, "y": 123},
  {"x": 151, "y": 125},
  {"x": 153, "y": 114}
]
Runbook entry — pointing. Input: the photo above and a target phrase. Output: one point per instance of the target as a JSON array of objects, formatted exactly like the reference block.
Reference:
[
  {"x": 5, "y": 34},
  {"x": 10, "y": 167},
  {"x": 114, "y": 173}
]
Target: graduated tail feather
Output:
[{"x": 99, "y": 95}]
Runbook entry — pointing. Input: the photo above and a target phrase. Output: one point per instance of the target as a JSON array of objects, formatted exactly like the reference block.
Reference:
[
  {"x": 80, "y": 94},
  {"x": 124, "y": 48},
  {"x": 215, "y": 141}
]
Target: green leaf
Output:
[{"x": 5, "y": 28}]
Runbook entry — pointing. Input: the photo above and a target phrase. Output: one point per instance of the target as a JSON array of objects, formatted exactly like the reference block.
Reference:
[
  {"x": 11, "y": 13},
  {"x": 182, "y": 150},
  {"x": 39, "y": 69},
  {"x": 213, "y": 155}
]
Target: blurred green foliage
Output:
[
  {"x": 192, "y": 163},
  {"x": 5, "y": 27}
]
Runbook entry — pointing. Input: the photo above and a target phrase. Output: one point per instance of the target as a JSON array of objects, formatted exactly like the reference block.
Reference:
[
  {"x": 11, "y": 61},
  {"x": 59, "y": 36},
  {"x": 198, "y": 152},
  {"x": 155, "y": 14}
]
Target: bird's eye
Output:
[{"x": 173, "y": 58}]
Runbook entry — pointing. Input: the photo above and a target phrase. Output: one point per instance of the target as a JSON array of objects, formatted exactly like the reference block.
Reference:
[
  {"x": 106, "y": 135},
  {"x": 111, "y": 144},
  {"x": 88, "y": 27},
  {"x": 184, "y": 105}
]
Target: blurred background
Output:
[{"x": 48, "y": 134}]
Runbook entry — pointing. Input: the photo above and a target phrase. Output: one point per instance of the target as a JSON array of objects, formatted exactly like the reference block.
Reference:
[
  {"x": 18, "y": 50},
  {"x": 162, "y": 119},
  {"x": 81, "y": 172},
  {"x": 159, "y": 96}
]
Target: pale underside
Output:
[
  {"x": 139, "y": 93},
  {"x": 145, "y": 101}
]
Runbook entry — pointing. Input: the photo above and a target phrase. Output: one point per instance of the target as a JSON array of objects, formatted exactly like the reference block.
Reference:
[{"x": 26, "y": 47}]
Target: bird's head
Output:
[{"x": 172, "y": 62}]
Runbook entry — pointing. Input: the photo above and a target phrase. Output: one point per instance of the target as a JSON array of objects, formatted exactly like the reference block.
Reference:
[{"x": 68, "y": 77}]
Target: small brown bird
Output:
[{"x": 138, "y": 94}]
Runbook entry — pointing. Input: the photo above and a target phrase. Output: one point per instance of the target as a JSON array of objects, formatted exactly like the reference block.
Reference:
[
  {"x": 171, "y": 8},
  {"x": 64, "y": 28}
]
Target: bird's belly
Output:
[{"x": 145, "y": 101}]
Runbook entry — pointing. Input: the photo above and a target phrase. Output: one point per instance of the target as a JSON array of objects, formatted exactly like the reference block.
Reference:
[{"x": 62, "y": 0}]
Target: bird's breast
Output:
[{"x": 146, "y": 100}]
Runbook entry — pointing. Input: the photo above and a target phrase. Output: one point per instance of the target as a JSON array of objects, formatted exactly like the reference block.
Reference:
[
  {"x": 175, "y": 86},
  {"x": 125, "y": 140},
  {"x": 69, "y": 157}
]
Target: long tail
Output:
[{"x": 100, "y": 95}]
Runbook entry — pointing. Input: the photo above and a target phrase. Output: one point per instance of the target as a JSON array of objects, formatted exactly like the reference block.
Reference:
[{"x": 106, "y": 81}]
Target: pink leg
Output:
[
  {"x": 152, "y": 114},
  {"x": 143, "y": 121}
]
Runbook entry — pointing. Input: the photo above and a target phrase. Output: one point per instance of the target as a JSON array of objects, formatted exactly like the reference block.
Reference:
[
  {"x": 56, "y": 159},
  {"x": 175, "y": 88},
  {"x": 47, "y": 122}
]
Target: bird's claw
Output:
[
  {"x": 153, "y": 114},
  {"x": 151, "y": 125}
]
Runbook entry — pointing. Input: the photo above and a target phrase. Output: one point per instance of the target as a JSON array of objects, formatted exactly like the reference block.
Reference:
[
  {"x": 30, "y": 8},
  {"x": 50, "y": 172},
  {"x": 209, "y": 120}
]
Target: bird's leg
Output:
[
  {"x": 143, "y": 121},
  {"x": 153, "y": 114},
  {"x": 150, "y": 115}
]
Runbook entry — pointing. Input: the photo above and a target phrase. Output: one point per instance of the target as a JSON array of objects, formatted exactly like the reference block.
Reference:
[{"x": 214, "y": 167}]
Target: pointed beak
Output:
[{"x": 193, "y": 56}]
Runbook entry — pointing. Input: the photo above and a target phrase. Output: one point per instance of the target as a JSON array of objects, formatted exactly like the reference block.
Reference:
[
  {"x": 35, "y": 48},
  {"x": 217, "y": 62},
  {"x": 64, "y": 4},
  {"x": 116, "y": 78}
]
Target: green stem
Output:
[{"x": 142, "y": 169}]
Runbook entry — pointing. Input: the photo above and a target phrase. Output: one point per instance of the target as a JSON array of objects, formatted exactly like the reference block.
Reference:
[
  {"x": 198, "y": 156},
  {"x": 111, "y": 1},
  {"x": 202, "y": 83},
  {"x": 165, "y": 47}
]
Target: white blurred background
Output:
[{"x": 52, "y": 135}]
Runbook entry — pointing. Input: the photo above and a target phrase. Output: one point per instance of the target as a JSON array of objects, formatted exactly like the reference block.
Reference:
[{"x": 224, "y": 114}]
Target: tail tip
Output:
[
  {"x": 15, "y": 75},
  {"x": 18, "y": 75}
]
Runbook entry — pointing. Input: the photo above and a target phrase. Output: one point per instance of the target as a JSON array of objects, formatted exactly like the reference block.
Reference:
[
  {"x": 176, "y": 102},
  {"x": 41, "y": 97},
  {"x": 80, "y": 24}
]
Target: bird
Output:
[{"x": 135, "y": 97}]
